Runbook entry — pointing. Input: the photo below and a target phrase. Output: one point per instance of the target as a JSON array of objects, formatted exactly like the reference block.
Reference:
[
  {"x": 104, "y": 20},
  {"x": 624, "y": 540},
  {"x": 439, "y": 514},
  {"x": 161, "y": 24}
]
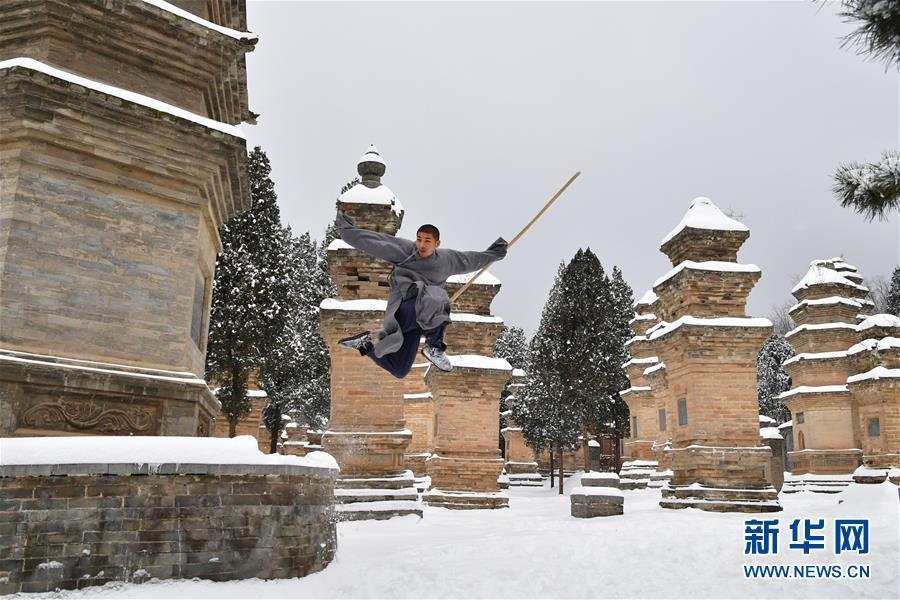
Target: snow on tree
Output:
[
  {"x": 771, "y": 378},
  {"x": 872, "y": 189},
  {"x": 251, "y": 292},
  {"x": 512, "y": 345},
  {"x": 575, "y": 358},
  {"x": 892, "y": 304}
]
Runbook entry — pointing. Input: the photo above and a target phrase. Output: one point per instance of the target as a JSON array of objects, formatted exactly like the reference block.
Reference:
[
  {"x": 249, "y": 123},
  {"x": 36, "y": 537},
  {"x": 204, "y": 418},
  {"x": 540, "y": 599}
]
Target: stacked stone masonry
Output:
[{"x": 68, "y": 526}]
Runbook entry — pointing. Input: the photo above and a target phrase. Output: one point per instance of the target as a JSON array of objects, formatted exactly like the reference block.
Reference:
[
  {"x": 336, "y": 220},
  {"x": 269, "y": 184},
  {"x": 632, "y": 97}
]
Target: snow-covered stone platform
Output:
[{"x": 480, "y": 554}]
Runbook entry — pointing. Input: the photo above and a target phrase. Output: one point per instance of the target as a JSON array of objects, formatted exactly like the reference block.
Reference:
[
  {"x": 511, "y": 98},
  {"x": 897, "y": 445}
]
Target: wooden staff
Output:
[{"x": 519, "y": 235}]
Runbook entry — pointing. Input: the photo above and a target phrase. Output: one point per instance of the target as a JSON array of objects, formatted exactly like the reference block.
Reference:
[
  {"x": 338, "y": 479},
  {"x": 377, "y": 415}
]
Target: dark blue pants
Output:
[{"x": 400, "y": 363}]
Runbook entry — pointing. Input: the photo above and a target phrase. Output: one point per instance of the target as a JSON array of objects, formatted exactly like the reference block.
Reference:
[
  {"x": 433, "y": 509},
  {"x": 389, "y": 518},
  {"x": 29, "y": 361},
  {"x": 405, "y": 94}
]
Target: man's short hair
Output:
[{"x": 430, "y": 230}]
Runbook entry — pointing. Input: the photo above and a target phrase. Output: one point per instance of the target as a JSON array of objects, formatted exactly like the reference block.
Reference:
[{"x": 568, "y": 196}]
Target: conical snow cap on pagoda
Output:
[
  {"x": 371, "y": 165},
  {"x": 823, "y": 282},
  {"x": 705, "y": 234}
]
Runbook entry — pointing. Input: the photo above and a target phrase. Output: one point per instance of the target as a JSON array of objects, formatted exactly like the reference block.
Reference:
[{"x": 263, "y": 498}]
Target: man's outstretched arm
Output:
[
  {"x": 467, "y": 262},
  {"x": 380, "y": 245}
]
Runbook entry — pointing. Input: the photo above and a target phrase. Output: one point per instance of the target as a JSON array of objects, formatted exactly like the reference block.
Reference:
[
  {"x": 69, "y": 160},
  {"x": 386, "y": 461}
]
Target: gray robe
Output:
[{"x": 411, "y": 270}]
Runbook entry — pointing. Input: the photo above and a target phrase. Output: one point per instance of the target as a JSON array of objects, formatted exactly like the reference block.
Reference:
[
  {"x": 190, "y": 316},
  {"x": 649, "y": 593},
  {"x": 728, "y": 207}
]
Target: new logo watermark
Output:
[{"x": 807, "y": 537}]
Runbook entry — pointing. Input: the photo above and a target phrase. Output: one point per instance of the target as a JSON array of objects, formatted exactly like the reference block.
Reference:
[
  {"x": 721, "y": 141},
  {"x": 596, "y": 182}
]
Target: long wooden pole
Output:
[{"x": 519, "y": 235}]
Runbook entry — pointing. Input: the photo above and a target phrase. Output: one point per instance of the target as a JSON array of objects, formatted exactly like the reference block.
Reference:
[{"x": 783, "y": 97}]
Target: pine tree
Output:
[
  {"x": 872, "y": 189},
  {"x": 251, "y": 292},
  {"x": 771, "y": 378},
  {"x": 575, "y": 358},
  {"x": 512, "y": 345},
  {"x": 893, "y": 295}
]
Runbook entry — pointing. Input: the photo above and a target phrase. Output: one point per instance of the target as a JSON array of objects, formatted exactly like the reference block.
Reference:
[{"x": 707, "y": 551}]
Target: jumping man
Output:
[{"x": 417, "y": 304}]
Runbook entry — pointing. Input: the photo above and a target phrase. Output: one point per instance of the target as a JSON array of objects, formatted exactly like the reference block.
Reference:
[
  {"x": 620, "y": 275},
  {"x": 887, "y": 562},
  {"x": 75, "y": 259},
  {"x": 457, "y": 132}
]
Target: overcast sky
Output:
[{"x": 483, "y": 110}]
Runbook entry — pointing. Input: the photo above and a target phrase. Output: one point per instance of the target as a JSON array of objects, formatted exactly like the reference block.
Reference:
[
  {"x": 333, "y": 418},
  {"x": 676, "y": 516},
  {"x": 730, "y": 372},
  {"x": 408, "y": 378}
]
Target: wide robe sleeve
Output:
[
  {"x": 380, "y": 245},
  {"x": 467, "y": 262}
]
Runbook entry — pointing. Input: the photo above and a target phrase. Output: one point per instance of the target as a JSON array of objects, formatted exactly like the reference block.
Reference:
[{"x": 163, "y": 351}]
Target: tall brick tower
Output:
[
  {"x": 367, "y": 431},
  {"x": 466, "y": 462},
  {"x": 119, "y": 159},
  {"x": 709, "y": 348}
]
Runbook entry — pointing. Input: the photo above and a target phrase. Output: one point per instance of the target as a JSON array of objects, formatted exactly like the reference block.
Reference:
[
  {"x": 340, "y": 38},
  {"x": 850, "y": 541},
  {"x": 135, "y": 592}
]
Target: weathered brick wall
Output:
[
  {"x": 701, "y": 293},
  {"x": 699, "y": 246},
  {"x": 75, "y": 530},
  {"x": 249, "y": 424},
  {"x": 183, "y": 63}
]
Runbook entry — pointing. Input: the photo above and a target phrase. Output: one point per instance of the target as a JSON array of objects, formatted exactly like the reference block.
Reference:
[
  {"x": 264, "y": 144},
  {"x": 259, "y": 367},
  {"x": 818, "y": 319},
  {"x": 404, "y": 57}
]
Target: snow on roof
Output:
[
  {"x": 817, "y": 356},
  {"x": 339, "y": 244},
  {"x": 709, "y": 265},
  {"x": 837, "y": 262},
  {"x": 878, "y": 345},
  {"x": 335, "y": 304},
  {"x": 485, "y": 278},
  {"x": 786, "y": 424},
  {"x": 711, "y": 322},
  {"x": 770, "y": 433},
  {"x": 362, "y": 194},
  {"x": 633, "y": 390},
  {"x": 155, "y": 450},
  {"x": 472, "y": 318},
  {"x": 153, "y": 103},
  {"x": 654, "y": 369},
  {"x": 766, "y": 419},
  {"x": 423, "y": 396},
  {"x": 819, "y": 327},
  {"x": 188, "y": 378},
  {"x": 875, "y": 374},
  {"x": 239, "y": 35},
  {"x": 372, "y": 155},
  {"x": 809, "y": 389},
  {"x": 703, "y": 214},
  {"x": 880, "y": 320},
  {"x": 519, "y": 373},
  {"x": 475, "y": 361},
  {"x": 827, "y": 301},
  {"x": 593, "y": 443},
  {"x": 637, "y": 338},
  {"x": 641, "y": 361},
  {"x": 257, "y": 394},
  {"x": 819, "y": 275},
  {"x": 648, "y": 298}
]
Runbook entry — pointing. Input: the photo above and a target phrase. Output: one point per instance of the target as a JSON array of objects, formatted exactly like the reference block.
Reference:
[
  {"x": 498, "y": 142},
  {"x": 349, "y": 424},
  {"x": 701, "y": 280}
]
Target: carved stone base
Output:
[
  {"x": 377, "y": 498},
  {"x": 464, "y": 474},
  {"x": 825, "y": 462},
  {"x": 45, "y": 395},
  {"x": 720, "y": 480}
]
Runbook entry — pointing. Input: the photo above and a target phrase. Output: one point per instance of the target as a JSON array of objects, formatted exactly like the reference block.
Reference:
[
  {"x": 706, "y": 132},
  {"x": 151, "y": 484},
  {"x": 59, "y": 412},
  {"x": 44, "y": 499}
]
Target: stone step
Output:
[
  {"x": 378, "y": 510},
  {"x": 349, "y": 496},
  {"x": 381, "y": 483},
  {"x": 466, "y": 500},
  {"x": 720, "y": 505},
  {"x": 720, "y": 494}
]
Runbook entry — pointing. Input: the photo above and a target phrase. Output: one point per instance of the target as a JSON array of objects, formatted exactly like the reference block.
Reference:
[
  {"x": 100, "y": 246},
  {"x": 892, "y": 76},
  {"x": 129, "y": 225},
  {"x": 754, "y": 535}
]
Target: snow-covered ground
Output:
[{"x": 535, "y": 549}]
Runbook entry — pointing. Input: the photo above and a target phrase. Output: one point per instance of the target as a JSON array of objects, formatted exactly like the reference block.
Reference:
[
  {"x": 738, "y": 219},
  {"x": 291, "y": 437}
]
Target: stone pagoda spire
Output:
[
  {"x": 367, "y": 431},
  {"x": 835, "y": 375},
  {"x": 708, "y": 386}
]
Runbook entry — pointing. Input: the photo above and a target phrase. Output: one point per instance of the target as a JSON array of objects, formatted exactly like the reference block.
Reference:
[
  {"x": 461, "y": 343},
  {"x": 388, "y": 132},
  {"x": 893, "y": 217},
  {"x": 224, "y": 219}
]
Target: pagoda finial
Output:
[{"x": 371, "y": 167}]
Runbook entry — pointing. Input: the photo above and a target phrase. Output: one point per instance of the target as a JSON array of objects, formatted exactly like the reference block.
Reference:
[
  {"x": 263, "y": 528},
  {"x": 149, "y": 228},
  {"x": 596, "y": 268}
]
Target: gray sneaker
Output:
[
  {"x": 438, "y": 358},
  {"x": 360, "y": 341}
]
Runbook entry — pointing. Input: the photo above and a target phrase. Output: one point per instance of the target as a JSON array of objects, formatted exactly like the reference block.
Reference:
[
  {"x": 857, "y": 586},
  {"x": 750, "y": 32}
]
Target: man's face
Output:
[{"x": 426, "y": 244}]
